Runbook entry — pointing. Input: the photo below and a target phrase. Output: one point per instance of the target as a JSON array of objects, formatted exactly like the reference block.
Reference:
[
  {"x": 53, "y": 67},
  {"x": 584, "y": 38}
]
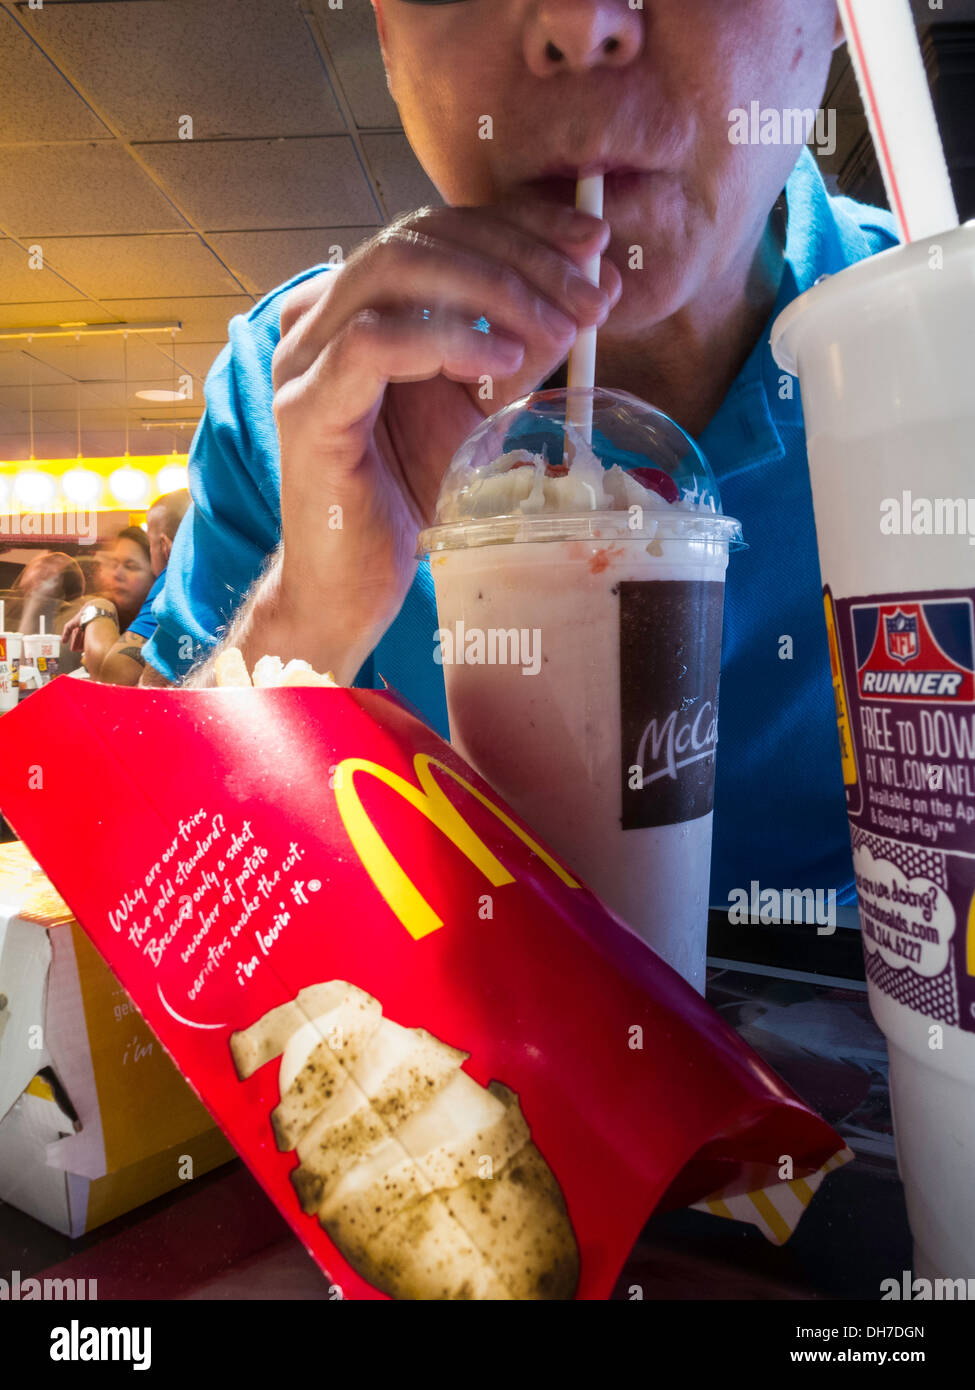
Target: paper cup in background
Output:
[
  {"x": 42, "y": 651},
  {"x": 884, "y": 353},
  {"x": 9, "y": 670}
]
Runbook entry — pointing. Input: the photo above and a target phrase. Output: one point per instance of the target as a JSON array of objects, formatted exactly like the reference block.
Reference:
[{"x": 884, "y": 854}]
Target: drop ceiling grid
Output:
[{"x": 135, "y": 222}]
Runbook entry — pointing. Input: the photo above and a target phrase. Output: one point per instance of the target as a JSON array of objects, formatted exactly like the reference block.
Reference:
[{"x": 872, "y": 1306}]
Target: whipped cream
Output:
[{"x": 521, "y": 482}]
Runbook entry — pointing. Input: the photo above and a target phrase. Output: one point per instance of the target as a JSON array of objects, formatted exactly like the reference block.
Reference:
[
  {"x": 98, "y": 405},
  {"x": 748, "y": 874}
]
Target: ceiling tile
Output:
[
  {"x": 38, "y": 104},
  {"x": 350, "y": 35},
  {"x": 264, "y": 260},
  {"x": 66, "y": 422},
  {"x": 239, "y": 185},
  {"x": 238, "y": 67},
  {"x": 133, "y": 266},
  {"x": 79, "y": 190},
  {"x": 101, "y": 358},
  {"x": 62, "y": 396},
  {"x": 402, "y": 183},
  {"x": 114, "y": 393},
  {"x": 48, "y": 314},
  {"x": 25, "y": 287},
  {"x": 204, "y": 319},
  {"x": 15, "y": 446},
  {"x": 18, "y": 368},
  {"x": 197, "y": 358}
]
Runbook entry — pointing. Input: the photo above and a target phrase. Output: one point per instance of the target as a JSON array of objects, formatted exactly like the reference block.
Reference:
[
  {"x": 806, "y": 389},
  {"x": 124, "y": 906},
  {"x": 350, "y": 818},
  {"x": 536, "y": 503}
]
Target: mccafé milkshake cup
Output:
[
  {"x": 579, "y": 596},
  {"x": 885, "y": 353}
]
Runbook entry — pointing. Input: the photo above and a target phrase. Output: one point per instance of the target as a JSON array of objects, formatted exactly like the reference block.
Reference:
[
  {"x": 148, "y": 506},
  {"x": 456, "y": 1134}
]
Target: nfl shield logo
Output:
[{"x": 900, "y": 631}]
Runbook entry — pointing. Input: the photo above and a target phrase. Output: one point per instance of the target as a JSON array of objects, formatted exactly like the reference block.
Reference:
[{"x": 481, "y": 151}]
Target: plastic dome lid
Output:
[{"x": 529, "y": 472}]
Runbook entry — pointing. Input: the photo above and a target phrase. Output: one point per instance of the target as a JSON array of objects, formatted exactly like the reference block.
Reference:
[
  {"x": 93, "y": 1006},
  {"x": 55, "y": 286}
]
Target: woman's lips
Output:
[{"x": 619, "y": 185}]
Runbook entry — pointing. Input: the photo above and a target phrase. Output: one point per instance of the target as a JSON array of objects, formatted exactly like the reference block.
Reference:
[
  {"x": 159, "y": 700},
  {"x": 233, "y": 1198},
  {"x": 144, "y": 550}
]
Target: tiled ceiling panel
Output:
[
  {"x": 14, "y": 446},
  {"x": 350, "y": 34},
  {"x": 402, "y": 183},
  {"x": 100, "y": 189},
  {"x": 238, "y": 185},
  {"x": 263, "y": 260},
  {"x": 18, "y": 368},
  {"x": 204, "y": 319},
  {"x": 136, "y": 223},
  {"x": 62, "y": 396},
  {"x": 120, "y": 395},
  {"x": 102, "y": 358},
  {"x": 38, "y": 102},
  {"x": 237, "y": 67},
  {"x": 49, "y": 314},
  {"x": 24, "y": 285},
  {"x": 134, "y": 266},
  {"x": 196, "y": 358}
]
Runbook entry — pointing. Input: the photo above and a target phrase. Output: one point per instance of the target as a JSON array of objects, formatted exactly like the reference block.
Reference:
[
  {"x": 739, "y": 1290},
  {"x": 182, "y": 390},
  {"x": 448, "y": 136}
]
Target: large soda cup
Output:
[
  {"x": 580, "y": 594},
  {"x": 885, "y": 353}
]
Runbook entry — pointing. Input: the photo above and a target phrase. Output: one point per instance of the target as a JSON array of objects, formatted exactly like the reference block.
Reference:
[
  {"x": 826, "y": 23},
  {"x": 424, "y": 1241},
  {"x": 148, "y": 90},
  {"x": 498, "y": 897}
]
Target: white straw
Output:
[
  {"x": 42, "y": 628},
  {"x": 886, "y": 56},
  {"x": 582, "y": 358}
]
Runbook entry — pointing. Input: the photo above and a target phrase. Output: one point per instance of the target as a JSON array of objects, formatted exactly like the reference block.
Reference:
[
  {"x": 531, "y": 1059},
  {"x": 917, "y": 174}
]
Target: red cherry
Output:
[{"x": 656, "y": 480}]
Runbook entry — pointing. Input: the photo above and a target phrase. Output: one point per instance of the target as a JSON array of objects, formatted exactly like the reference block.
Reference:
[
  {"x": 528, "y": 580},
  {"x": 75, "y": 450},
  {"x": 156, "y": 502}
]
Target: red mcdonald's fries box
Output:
[{"x": 456, "y": 1073}]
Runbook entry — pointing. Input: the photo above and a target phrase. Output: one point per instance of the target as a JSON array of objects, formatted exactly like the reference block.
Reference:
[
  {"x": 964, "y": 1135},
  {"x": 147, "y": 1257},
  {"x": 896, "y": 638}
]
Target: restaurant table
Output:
[{"x": 220, "y": 1237}]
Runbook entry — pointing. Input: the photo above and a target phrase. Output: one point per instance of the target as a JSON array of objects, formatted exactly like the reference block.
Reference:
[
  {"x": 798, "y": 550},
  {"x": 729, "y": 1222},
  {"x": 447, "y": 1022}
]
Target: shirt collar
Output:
[{"x": 745, "y": 430}]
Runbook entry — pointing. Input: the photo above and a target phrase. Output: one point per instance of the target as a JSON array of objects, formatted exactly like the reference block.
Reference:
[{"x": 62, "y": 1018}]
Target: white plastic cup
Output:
[
  {"x": 42, "y": 651},
  {"x": 885, "y": 353},
  {"x": 581, "y": 644},
  {"x": 11, "y": 651}
]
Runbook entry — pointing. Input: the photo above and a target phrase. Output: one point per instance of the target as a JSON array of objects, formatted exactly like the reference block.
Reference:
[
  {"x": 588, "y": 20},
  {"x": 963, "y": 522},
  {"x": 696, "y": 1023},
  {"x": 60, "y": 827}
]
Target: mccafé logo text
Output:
[
  {"x": 393, "y": 883},
  {"x": 673, "y": 743}
]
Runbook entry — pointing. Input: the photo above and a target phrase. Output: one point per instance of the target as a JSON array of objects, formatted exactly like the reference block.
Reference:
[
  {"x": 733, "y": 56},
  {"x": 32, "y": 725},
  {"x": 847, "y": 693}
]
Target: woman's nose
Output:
[{"x": 576, "y": 35}]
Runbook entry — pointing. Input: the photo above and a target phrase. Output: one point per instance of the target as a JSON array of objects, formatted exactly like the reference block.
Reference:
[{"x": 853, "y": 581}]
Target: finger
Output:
[
  {"x": 577, "y": 234},
  {"x": 574, "y": 233},
  {"x": 347, "y": 379},
  {"x": 412, "y": 267}
]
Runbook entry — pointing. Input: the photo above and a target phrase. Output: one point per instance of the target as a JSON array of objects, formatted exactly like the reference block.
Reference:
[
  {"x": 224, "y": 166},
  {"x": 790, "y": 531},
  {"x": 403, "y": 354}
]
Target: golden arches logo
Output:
[{"x": 393, "y": 883}]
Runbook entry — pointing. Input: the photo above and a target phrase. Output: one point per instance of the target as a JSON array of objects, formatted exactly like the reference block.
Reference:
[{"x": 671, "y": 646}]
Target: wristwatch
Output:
[{"x": 92, "y": 611}]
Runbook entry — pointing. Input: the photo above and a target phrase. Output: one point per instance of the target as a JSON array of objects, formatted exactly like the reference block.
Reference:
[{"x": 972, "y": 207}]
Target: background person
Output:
[
  {"x": 50, "y": 586},
  {"x": 111, "y": 655}
]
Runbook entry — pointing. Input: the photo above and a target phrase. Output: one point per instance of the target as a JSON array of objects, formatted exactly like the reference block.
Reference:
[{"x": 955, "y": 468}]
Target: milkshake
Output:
[{"x": 579, "y": 595}]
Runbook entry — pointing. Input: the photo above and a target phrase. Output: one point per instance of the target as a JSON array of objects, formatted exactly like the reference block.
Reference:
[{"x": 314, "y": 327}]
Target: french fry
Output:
[
  {"x": 269, "y": 672},
  {"x": 229, "y": 668},
  {"x": 300, "y": 673}
]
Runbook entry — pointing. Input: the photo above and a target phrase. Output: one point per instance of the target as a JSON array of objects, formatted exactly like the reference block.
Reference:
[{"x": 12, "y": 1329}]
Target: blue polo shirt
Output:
[
  {"x": 144, "y": 624},
  {"x": 780, "y": 813}
]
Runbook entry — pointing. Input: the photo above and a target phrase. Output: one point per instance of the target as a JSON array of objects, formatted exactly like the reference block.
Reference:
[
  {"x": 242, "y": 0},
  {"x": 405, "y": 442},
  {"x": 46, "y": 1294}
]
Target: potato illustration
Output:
[{"x": 427, "y": 1182}]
